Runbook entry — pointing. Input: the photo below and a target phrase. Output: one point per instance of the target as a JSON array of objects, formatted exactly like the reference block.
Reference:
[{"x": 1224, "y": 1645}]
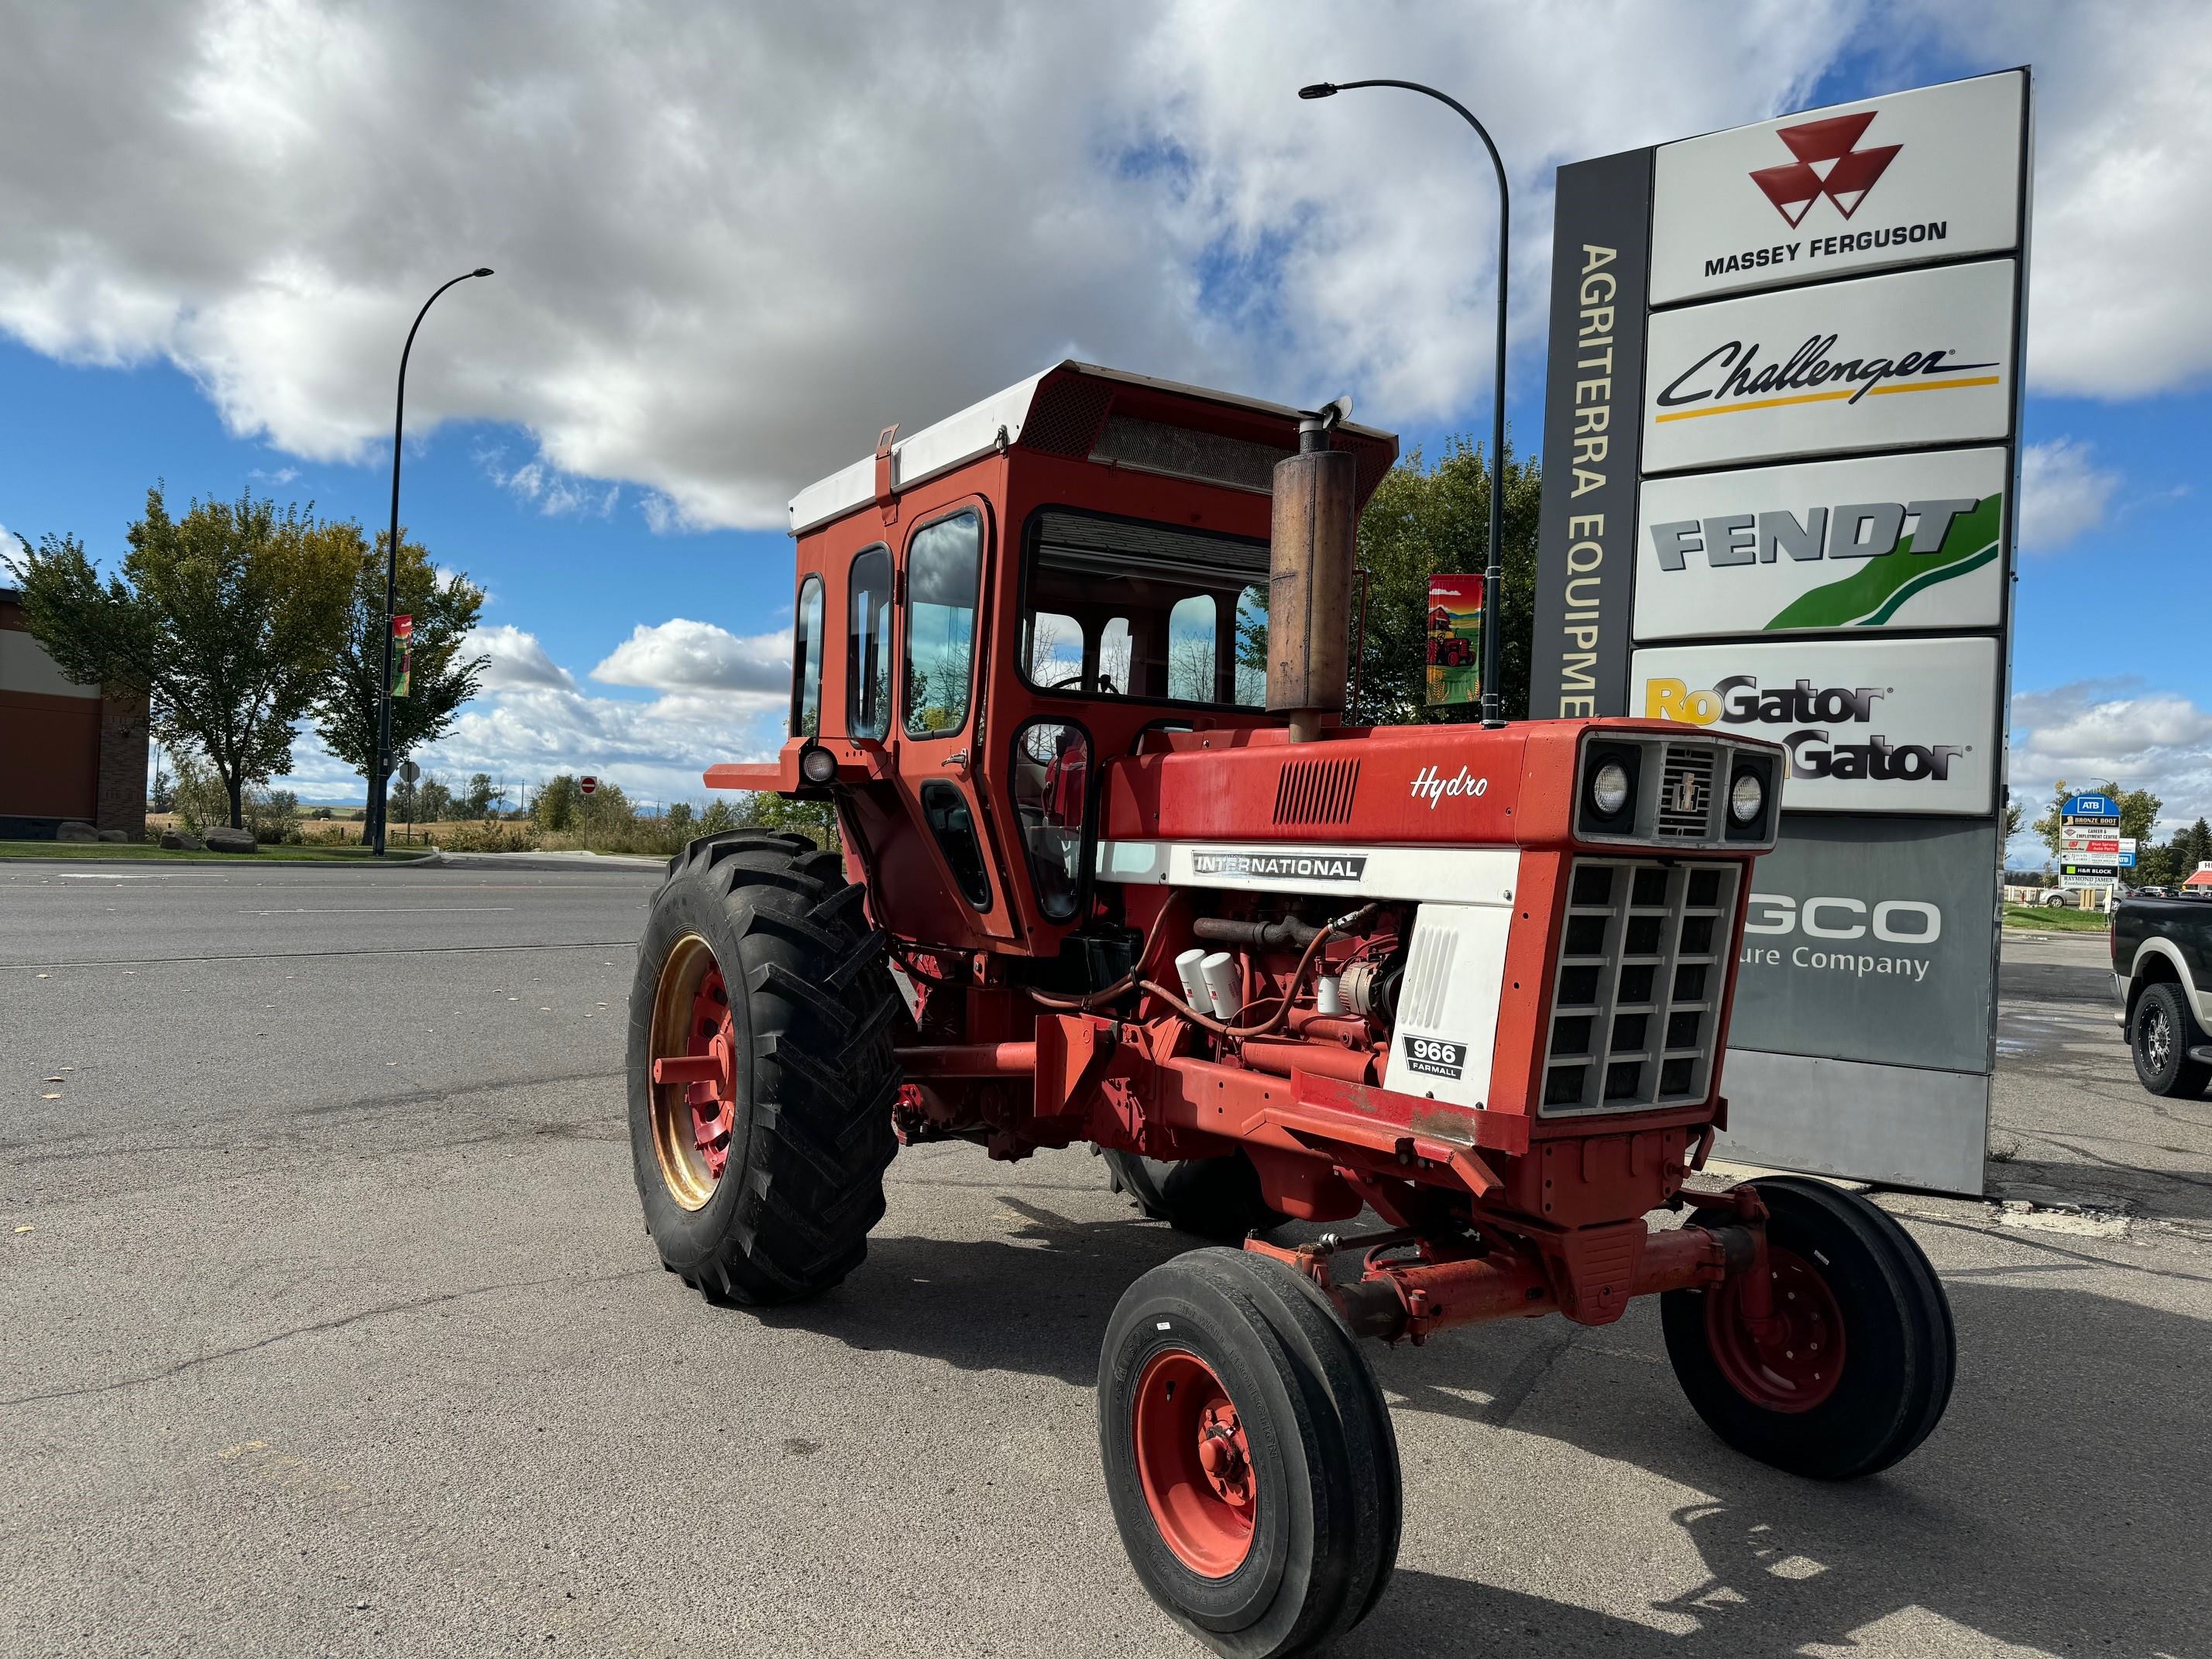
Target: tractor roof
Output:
[{"x": 1065, "y": 411}]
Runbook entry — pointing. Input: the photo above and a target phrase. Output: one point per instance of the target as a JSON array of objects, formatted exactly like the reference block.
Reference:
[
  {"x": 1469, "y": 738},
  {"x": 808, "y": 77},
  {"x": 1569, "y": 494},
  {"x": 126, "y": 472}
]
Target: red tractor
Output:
[{"x": 1070, "y": 667}]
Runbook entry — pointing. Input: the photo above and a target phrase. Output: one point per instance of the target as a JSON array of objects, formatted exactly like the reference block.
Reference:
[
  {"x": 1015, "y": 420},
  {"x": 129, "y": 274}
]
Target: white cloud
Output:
[
  {"x": 517, "y": 661},
  {"x": 556, "y": 493},
  {"x": 2063, "y": 492},
  {"x": 2091, "y": 731},
  {"x": 680, "y": 655}
]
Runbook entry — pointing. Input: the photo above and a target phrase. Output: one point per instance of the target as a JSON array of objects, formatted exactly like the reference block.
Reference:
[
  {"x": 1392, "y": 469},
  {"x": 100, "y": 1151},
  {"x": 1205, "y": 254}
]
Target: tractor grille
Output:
[
  {"x": 1636, "y": 995},
  {"x": 1685, "y": 794},
  {"x": 1316, "y": 792}
]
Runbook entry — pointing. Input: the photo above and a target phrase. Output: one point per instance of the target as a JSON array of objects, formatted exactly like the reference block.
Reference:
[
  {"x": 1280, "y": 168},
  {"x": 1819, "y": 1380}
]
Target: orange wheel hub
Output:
[{"x": 1194, "y": 1463}]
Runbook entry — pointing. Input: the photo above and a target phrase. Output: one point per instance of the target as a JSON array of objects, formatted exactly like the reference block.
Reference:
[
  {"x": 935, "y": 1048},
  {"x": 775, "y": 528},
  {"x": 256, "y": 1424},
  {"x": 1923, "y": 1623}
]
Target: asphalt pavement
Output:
[{"x": 328, "y": 1325}]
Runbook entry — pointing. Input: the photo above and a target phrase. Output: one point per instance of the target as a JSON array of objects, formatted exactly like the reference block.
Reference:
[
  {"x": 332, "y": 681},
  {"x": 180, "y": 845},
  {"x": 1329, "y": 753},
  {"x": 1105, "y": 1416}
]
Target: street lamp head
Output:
[
  {"x": 481, "y": 271},
  {"x": 1319, "y": 89}
]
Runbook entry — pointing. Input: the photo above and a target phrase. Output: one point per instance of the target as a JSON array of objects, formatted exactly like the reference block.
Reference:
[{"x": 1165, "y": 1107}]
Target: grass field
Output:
[
  {"x": 141, "y": 852},
  {"x": 2055, "y": 921}
]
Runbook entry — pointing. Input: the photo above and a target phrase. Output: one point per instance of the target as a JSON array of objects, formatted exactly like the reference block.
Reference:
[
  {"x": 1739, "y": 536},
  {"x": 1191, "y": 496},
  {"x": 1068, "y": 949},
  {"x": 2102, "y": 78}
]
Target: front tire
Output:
[
  {"x": 2159, "y": 1038},
  {"x": 1861, "y": 1370},
  {"x": 1248, "y": 1454},
  {"x": 1217, "y": 1197},
  {"x": 760, "y": 1070}
]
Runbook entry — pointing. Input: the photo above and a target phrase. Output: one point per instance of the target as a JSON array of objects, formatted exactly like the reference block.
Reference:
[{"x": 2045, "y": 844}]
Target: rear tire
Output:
[
  {"x": 760, "y": 1185},
  {"x": 1217, "y": 1197},
  {"x": 2159, "y": 1038},
  {"x": 1866, "y": 1369},
  {"x": 1248, "y": 1454}
]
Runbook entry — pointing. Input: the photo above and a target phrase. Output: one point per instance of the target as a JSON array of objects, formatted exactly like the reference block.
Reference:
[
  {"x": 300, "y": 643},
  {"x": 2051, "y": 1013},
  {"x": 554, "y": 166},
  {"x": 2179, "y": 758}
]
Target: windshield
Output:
[{"x": 1121, "y": 609}]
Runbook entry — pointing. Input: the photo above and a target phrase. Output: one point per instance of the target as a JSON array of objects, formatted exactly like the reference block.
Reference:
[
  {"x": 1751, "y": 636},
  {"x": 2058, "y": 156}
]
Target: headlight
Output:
[
  {"x": 1747, "y": 797},
  {"x": 1609, "y": 788},
  {"x": 816, "y": 764}
]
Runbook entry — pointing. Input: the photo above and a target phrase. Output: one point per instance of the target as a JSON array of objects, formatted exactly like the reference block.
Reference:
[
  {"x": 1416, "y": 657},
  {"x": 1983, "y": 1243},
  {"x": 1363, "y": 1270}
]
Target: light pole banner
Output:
[
  {"x": 1884, "y": 362},
  {"x": 1871, "y": 726},
  {"x": 1899, "y": 540},
  {"x": 1929, "y": 175}
]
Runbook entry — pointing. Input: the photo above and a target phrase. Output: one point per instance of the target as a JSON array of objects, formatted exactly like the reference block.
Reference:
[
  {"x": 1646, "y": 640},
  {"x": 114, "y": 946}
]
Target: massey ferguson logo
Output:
[
  {"x": 1432, "y": 786},
  {"x": 1827, "y": 164},
  {"x": 1739, "y": 700}
]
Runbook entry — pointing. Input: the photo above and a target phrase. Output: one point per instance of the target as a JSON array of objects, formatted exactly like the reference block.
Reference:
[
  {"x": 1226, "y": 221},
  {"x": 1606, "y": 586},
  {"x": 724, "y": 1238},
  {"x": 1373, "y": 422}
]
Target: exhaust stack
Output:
[{"x": 1309, "y": 555}]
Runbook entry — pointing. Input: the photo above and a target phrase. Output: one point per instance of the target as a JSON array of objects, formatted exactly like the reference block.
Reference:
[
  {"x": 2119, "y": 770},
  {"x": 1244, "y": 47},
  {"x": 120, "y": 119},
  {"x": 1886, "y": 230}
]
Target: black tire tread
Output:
[{"x": 815, "y": 1015}]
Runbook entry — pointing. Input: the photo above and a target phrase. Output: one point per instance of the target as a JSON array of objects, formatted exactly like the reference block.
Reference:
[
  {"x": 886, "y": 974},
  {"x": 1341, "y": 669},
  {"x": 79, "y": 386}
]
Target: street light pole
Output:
[
  {"x": 1494, "y": 577},
  {"x": 381, "y": 762}
]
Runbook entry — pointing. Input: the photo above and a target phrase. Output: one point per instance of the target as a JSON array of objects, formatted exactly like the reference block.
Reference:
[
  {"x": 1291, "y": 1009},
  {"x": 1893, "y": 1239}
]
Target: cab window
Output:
[
  {"x": 943, "y": 562},
  {"x": 868, "y": 647},
  {"x": 1117, "y": 608},
  {"x": 806, "y": 661}
]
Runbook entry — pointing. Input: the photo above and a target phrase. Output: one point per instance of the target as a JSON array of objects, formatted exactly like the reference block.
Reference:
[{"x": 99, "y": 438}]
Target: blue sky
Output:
[{"x": 688, "y": 326}]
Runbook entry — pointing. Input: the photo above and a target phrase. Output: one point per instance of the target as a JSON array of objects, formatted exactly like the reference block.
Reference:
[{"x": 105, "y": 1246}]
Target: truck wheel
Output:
[
  {"x": 761, "y": 1071},
  {"x": 2160, "y": 1041},
  {"x": 1211, "y": 1197},
  {"x": 1861, "y": 1370},
  {"x": 1248, "y": 1454}
]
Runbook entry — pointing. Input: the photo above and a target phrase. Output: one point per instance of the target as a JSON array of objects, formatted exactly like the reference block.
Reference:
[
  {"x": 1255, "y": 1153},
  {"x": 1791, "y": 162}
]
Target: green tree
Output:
[
  {"x": 445, "y": 609},
  {"x": 812, "y": 818},
  {"x": 477, "y": 802},
  {"x": 1426, "y": 520},
  {"x": 718, "y": 816},
  {"x": 556, "y": 805},
  {"x": 228, "y": 618},
  {"x": 679, "y": 816}
]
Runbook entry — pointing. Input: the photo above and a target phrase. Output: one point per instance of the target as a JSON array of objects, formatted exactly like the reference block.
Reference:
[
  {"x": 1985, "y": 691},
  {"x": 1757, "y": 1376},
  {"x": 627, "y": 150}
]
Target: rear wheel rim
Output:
[
  {"x": 1800, "y": 1359},
  {"x": 693, "y": 1118},
  {"x": 2158, "y": 1038},
  {"x": 1194, "y": 1463}
]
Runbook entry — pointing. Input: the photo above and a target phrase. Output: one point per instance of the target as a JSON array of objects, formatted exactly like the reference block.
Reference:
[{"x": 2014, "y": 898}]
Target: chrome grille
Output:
[
  {"x": 1686, "y": 793},
  {"x": 1636, "y": 995}
]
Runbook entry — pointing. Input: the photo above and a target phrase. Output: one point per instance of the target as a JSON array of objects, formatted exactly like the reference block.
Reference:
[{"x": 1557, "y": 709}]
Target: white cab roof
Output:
[{"x": 976, "y": 431}]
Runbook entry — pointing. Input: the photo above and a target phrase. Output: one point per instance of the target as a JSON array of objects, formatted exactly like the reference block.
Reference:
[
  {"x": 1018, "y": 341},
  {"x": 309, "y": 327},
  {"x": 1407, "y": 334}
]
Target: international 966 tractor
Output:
[{"x": 1070, "y": 667}]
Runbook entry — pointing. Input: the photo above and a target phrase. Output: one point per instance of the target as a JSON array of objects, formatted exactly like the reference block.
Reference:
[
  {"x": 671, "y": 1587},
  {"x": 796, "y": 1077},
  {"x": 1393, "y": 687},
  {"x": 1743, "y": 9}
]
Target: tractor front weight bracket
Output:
[{"x": 1590, "y": 1275}]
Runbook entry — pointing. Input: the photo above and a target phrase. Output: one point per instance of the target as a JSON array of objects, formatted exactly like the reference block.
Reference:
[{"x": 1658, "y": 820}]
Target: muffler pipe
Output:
[{"x": 1310, "y": 546}]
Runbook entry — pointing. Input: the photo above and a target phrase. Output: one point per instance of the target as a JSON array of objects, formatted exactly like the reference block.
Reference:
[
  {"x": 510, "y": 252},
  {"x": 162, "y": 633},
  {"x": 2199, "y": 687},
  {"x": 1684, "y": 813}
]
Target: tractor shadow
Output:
[
  {"x": 1035, "y": 1297},
  {"x": 2062, "y": 1505}
]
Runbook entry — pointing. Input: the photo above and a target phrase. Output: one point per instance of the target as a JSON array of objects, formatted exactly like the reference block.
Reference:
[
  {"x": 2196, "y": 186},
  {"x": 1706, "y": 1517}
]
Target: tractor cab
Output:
[{"x": 993, "y": 610}]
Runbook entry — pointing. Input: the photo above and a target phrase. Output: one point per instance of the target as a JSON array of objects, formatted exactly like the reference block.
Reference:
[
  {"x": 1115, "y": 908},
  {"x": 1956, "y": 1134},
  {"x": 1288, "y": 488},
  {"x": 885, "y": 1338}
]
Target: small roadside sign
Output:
[
  {"x": 409, "y": 771},
  {"x": 588, "y": 785}
]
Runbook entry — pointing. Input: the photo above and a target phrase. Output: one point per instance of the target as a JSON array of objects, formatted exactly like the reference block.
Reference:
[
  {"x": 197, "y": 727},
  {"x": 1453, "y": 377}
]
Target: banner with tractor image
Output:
[
  {"x": 1455, "y": 640},
  {"x": 1913, "y": 541}
]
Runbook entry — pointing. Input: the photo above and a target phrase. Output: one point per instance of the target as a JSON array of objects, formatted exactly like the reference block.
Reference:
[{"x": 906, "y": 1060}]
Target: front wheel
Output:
[
  {"x": 1212, "y": 1197},
  {"x": 1248, "y": 1454},
  {"x": 1856, "y": 1369}
]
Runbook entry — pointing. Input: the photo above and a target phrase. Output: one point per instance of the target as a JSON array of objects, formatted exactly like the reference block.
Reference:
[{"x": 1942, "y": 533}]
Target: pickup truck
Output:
[{"x": 2163, "y": 975}]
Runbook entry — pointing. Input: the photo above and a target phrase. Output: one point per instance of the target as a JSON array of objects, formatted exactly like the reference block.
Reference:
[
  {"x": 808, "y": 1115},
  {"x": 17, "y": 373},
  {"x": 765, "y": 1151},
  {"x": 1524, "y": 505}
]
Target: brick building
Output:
[{"x": 67, "y": 751}]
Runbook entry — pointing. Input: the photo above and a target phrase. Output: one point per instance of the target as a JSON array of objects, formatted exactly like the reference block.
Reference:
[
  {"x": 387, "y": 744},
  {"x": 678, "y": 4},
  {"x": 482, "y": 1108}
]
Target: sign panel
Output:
[
  {"x": 2090, "y": 806},
  {"x": 1933, "y": 174},
  {"x": 2090, "y": 846},
  {"x": 1454, "y": 652},
  {"x": 2084, "y": 878},
  {"x": 1907, "y": 361},
  {"x": 1871, "y": 726},
  {"x": 1897, "y": 541},
  {"x": 1870, "y": 938},
  {"x": 1585, "y": 545}
]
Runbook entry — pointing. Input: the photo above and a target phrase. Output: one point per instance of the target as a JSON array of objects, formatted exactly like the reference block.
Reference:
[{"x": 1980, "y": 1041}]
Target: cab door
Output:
[{"x": 944, "y": 630}]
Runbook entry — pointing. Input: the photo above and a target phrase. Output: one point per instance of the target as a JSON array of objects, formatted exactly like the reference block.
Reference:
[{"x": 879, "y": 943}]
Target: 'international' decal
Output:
[{"x": 1282, "y": 867}]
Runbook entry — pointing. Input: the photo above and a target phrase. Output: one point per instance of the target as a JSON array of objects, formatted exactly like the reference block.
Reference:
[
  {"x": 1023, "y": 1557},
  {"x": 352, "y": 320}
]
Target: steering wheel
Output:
[{"x": 1076, "y": 678}]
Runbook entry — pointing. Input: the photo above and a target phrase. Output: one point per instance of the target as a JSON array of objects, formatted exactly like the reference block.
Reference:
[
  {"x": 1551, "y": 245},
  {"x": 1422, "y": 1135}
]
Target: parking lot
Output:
[{"x": 329, "y": 1325}]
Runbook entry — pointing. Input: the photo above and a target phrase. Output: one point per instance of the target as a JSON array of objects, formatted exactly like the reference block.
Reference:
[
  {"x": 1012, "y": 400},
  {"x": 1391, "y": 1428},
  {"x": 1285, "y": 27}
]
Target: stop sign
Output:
[{"x": 588, "y": 785}]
